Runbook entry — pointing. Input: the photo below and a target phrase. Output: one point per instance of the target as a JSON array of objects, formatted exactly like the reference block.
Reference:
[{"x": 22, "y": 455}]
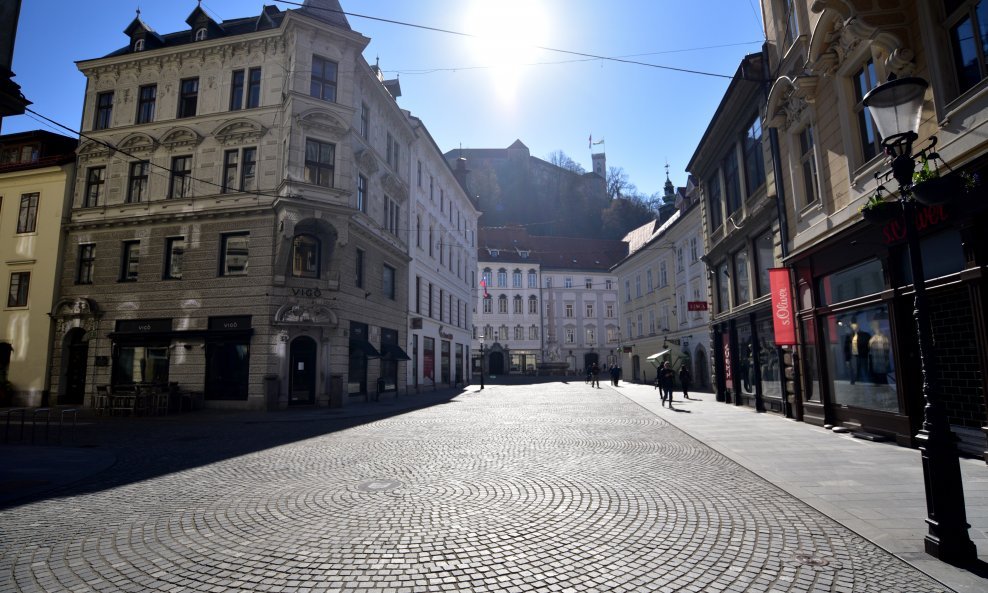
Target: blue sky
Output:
[{"x": 478, "y": 93}]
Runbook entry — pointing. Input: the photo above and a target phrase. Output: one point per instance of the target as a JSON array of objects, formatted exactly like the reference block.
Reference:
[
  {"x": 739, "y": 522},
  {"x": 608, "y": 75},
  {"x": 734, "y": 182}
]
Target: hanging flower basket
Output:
[
  {"x": 881, "y": 212},
  {"x": 939, "y": 190}
]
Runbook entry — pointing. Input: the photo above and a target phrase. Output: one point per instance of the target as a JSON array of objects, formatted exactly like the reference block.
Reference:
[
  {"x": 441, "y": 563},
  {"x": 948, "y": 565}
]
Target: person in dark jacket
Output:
[
  {"x": 667, "y": 377},
  {"x": 685, "y": 380}
]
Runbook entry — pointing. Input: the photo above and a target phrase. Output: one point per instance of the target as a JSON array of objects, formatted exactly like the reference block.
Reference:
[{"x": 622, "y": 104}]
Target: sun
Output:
[{"x": 508, "y": 34}]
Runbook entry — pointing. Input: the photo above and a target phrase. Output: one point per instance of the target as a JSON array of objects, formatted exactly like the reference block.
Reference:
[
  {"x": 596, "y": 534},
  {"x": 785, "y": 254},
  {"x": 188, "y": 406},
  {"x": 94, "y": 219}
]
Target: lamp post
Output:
[
  {"x": 482, "y": 362},
  {"x": 897, "y": 108}
]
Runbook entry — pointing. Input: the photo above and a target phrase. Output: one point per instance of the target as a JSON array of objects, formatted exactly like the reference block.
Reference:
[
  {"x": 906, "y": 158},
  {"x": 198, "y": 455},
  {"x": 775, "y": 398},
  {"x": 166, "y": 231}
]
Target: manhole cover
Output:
[
  {"x": 814, "y": 559},
  {"x": 378, "y": 485}
]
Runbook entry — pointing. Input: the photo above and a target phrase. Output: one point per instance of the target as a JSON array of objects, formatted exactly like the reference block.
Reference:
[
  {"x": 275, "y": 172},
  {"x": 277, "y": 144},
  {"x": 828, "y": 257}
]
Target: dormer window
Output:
[
  {"x": 201, "y": 34},
  {"x": 139, "y": 45}
]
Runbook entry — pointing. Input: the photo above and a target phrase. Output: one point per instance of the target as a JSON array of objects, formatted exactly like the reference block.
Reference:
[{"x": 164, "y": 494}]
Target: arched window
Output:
[
  {"x": 139, "y": 45},
  {"x": 502, "y": 304},
  {"x": 517, "y": 304},
  {"x": 201, "y": 34},
  {"x": 305, "y": 256},
  {"x": 533, "y": 304}
]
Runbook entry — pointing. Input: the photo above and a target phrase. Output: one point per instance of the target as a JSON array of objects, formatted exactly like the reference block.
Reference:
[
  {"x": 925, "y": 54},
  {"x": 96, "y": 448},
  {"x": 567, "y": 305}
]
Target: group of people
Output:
[
  {"x": 593, "y": 375},
  {"x": 666, "y": 381}
]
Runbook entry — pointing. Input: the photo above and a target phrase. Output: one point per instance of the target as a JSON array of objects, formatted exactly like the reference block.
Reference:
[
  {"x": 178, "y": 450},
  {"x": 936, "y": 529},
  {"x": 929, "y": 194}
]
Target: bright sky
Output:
[{"x": 478, "y": 93}]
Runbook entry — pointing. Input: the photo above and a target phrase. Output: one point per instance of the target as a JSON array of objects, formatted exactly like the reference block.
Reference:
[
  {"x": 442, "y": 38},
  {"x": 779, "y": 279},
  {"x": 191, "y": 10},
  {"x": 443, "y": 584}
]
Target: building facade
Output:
[
  {"x": 743, "y": 241},
  {"x": 236, "y": 226},
  {"x": 662, "y": 287},
  {"x": 545, "y": 303},
  {"x": 442, "y": 270},
  {"x": 37, "y": 172},
  {"x": 853, "y": 286}
]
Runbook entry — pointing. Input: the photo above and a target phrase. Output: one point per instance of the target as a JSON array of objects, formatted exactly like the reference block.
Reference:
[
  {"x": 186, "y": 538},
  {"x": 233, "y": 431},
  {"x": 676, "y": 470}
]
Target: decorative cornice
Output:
[
  {"x": 323, "y": 120},
  {"x": 181, "y": 137},
  {"x": 366, "y": 160},
  {"x": 789, "y": 98},
  {"x": 138, "y": 142},
  {"x": 296, "y": 313},
  {"x": 93, "y": 151},
  {"x": 393, "y": 186},
  {"x": 239, "y": 131},
  {"x": 839, "y": 34}
]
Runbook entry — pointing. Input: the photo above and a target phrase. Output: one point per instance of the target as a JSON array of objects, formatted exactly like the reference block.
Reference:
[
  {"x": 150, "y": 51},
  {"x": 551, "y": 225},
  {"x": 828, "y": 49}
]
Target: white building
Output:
[
  {"x": 663, "y": 295},
  {"x": 442, "y": 272}
]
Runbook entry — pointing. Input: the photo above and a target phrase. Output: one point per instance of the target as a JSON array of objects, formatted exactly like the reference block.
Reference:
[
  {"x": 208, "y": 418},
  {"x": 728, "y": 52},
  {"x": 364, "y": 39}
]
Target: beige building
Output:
[
  {"x": 37, "y": 170},
  {"x": 852, "y": 279},
  {"x": 236, "y": 227}
]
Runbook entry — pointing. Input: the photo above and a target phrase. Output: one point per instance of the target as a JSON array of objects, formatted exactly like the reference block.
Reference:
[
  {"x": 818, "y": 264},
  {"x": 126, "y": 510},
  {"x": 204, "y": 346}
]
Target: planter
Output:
[
  {"x": 938, "y": 190},
  {"x": 881, "y": 213}
]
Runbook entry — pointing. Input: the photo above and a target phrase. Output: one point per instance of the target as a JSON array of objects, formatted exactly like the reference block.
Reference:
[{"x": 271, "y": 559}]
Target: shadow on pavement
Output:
[{"x": 108, "y": 452}]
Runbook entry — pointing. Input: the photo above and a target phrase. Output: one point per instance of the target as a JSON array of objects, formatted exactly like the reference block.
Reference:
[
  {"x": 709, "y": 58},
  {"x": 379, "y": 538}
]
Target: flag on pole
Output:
[
  {"x": 483, "y": 283},
  {"x": 601, "y": 141}
]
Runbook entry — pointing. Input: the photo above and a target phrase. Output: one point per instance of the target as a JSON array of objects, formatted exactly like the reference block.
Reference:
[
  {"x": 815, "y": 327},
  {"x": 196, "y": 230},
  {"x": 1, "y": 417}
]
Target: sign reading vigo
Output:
[{"x": 785, "y": 329}]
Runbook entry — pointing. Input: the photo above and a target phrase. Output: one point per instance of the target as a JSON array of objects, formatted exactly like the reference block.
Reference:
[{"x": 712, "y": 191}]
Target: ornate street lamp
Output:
[{"x": 897, "y": 108}]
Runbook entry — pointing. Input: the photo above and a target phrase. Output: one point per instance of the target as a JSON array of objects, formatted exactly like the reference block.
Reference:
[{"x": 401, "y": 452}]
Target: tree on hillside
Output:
[
  {"x": 561, "y": 159},
  {"x": 623, "y": 215},
  {"x": 618, "y": 183}
]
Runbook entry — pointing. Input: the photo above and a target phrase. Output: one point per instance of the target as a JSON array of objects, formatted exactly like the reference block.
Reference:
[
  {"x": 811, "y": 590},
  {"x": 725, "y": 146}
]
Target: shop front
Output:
[
  {"x": 860, "y": 362},
  {"x": 748, "y": 363}
]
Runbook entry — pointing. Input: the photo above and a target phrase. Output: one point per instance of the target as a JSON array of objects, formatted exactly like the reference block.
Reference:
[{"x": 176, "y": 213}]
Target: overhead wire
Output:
[{"x": 539, "y": 47}]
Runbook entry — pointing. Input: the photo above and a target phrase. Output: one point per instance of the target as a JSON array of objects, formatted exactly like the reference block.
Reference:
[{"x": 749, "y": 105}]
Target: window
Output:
[
  {"x": 305, "y": 256},
  {"x": 181, "y": 177},
  {"x": 732, "y": 182},
  {"x": 609, "y": 310},
  {"x": 502, "y": 304},
  {"x": 488, "y": 305},
  {"x": 174, "y": 258},
  {"x": 533, "y": 332},
  {"x": 147, "y": 97},
  {"x": 432, "y": 185},
  {"x": 518, "y": 305},
  {"x": 419, "y": 175},
  {"x": 234, "y": 255},
  {"x": 388, "y": 281},
  {"x": 239, "y": 170},
  {"x": 364, "y": 121},
  {"x": 680, "y": 262},
  {"x": 320, "y": 158},
  {"x": 418, "y": 231},
  {"x": 568, "y": 282},
  {"x": 516, "y": 279},
  {"x": 608, "y": 285},
  {"x": 588, "y": 308},
  {"x": 741, "y": 282},
  {"x": 627, "y": 291},
  {"x": 201, "y": 34},
  {"x": 139, "y": 45},
  {"x": 251, "y": 83},
  {"x": 612, "y": 335},
  {"x": 570, "y": 335},
  {"x": 418, "y": 294},
  {"x": 104, "y": 110},
  {"x": 663, "y": 275},
  {"x": 754, "y": 159},
  {"x": 432, "y": 242},
  {"x": 359, "y": 269},
  {"x": 588, "y": 283},
  {"x": 391, "y": 221},
  {"x": 130, "y": 259},
  {"x": 502, "y": 278},
  {"x": 638, "y": 285},
  {"x": 188, "y": 98},
  {"x": 864, "y": 80},
  {"x": 27, "y": 215},
  {"x": 323, "y": 85},
  {"x": 95, "y": 180},
  {"x": 792, "y": 25},
  {"x": 715, "y": 212},
  {"x": 694, "y": 253},
  {"x": 519, "y": 332},
  {"x": 649, "y": 280},
  {"x": 723, "y": 288},
  {"x": 19, "y": 284},
  {"x": 807, "y": 159},
  {"x": 362, "y": 193},
  {"x": 764, "y": 259},
  {"x": 651, "y": 321},
  {"x": 394, "y": 155},
  {"x": 533, "y": 304},
  {"x": 967, "y": 24},
  {"x": 137, "y": 183},
  {"x": 533, "y": 281},
  {"x": 87, "y": 264},
  {"x": 569, "y": 309}
]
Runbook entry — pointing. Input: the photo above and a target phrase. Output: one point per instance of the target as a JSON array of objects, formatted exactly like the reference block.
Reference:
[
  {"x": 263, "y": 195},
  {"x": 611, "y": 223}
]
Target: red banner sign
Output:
[
  {"x": 782, "y": 317},
  {"x": 696, "y": 305}
]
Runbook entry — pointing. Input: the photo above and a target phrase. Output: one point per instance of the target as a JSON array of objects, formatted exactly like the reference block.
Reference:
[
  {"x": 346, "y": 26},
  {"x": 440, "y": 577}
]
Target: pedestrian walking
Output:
[
  {"x": 685, "y": 380},
  {"x": 614, "y": 375},
  {"x": 595, "y": 376},
  {"x": 666, "y": 379}
]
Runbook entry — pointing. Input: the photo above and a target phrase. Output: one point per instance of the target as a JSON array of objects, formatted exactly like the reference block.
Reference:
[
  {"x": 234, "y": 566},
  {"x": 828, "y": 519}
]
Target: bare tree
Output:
[
  {"x": 561, "y": 159},
  {"x": 618, "y": 184}
]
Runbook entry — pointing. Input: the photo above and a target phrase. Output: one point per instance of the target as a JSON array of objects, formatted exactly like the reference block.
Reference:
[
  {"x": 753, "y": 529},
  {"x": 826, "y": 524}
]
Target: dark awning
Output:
[
  {"x": 363, "y": 347},
  {"x": 393, "y": 352}
]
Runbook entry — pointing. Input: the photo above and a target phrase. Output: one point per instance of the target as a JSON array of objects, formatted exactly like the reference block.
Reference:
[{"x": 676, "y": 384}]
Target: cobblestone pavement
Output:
[{"x": 549, "y": 488}]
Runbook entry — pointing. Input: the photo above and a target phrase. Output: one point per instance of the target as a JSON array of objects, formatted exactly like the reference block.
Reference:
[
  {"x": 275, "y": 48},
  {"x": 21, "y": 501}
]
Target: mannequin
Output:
[
  {"x": 879, "y": 352},
  {"x": 856, "y": 352}
]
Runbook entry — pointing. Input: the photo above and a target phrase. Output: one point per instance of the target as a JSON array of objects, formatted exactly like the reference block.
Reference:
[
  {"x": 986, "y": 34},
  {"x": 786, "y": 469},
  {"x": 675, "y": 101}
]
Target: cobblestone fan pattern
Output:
[{"x": 554, "y": 488}]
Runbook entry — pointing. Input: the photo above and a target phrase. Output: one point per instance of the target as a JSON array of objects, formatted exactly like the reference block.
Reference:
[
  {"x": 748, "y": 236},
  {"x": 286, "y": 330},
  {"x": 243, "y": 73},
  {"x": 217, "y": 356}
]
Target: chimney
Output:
[{"x": 460, "y": 172}]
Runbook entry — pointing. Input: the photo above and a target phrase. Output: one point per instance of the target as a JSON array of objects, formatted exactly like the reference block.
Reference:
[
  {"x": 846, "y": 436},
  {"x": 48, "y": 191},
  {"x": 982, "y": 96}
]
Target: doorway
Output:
[
  {"x": 702, "y": 375},
  {"x": 495, "y": 364},
  {"x": 302, "y": 375},
  {"x": 76, "y": 353}
]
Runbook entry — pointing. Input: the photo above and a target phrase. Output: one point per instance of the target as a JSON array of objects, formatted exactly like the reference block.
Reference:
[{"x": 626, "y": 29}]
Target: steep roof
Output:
[{"x": 515, "y": 245}]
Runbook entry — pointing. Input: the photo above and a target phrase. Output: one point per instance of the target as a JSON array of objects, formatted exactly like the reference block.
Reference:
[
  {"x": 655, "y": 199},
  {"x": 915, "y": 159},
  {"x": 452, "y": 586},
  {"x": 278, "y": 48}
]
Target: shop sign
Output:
[
  {"x": 445, "y": 335},
  {"x": 927, "y": 216},
  {"x": 726, "y": 349},
  {"x": 230, "y": 323},
  {"x": 143, "y": 326},
  {"x": 785, "y": 329},
  {"x": 696, "y": 305}
]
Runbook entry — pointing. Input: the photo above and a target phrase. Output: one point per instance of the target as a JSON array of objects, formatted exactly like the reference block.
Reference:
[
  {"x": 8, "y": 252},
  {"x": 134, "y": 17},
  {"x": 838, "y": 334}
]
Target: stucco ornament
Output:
[{"x": 839, "y": 34}]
